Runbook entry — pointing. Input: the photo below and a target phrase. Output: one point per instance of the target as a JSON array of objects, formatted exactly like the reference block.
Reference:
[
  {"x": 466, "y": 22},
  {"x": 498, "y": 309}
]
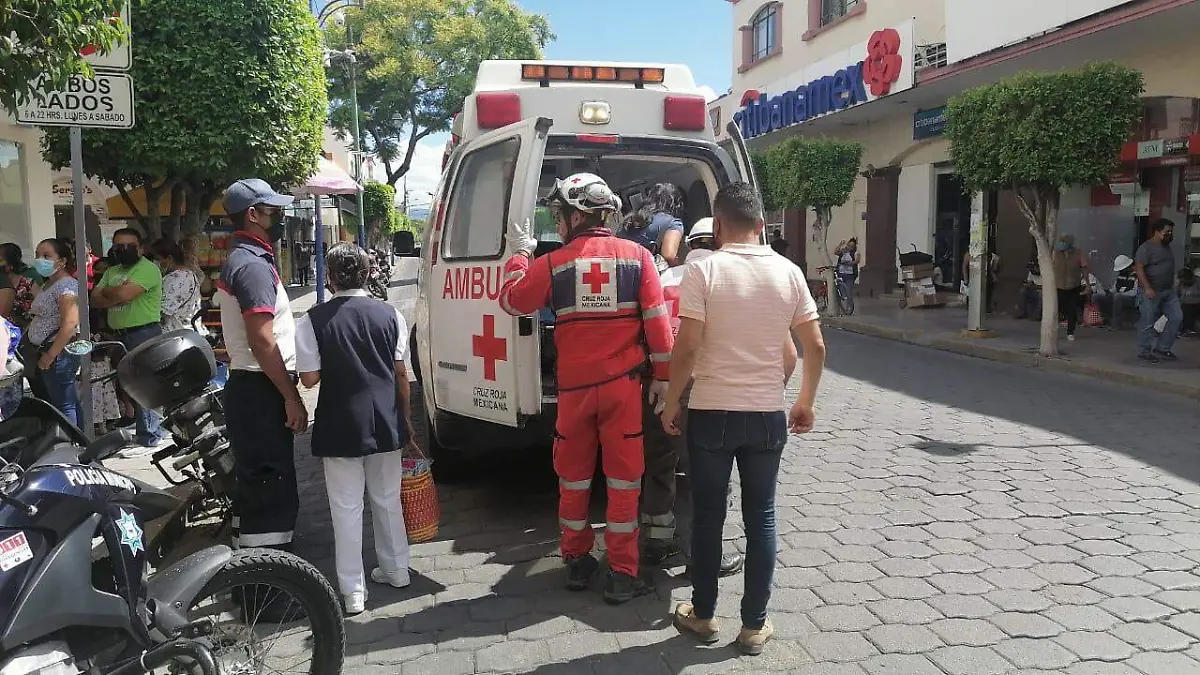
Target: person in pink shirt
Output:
[{"x": 738, "y": 308}]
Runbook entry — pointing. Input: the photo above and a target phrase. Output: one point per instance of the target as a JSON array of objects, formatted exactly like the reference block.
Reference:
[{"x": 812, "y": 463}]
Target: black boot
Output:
[
  {"x": 731, "y": 564},
  {"x": 655, "y": 552},
  {"x": 580, "y": 570},
  {"x": 622, "y": 588}
]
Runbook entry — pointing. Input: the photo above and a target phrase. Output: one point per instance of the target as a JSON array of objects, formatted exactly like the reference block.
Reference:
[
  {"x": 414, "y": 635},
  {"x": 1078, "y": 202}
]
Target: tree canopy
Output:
[
  {"x": 811, "y": 173},
  {"x": 416, "y": 62},
  {"x": 1044, "y": 129},
  {"x": 43, "y": 39},
  {"x": 379, "y": 204},
  {"x": 224, "y": 90},
  {"x": 762, "y": 170}
]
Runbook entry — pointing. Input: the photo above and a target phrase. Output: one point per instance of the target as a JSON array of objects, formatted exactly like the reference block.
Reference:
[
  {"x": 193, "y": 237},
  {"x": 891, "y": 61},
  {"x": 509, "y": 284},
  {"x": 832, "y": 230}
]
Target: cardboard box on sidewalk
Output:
[
  {"x": 922, "y": 293},
  {"x": 912, "y": 272}
]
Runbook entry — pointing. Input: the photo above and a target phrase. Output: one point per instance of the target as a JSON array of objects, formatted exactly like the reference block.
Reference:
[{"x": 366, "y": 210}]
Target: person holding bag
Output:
[{"x": 355, "y": 346}]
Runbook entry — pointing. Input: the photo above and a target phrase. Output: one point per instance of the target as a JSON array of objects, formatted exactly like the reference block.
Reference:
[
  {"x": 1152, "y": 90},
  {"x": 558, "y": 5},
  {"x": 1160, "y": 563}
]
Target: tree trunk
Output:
[
  {"x": 824, "y": 215},
  {"x": 153, "y": 215},
  {"x": 174, "y": 223},
  {"x": 1040, "y": 206}
]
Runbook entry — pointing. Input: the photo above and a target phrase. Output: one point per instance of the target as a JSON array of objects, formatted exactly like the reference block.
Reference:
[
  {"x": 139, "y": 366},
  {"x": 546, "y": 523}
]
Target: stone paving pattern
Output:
[{"x": 948, "y": 516}]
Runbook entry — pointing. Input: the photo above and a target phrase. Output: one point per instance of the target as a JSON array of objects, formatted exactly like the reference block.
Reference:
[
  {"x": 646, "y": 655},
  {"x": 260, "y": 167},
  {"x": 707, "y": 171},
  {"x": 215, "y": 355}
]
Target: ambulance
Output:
[{"x": 488, "y": 378}]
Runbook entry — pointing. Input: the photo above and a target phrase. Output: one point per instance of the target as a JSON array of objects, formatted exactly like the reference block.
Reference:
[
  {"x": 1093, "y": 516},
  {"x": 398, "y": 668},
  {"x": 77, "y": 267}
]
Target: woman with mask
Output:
[
  {"x": 180, "y": 286},
  {"x": 1070, "y": 272},
  {"x": 657, "y": 225},
  {"x": 55, "y": 321}
]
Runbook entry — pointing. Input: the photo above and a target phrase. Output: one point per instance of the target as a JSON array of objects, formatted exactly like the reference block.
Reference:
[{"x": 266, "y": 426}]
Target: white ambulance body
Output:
[{"x": 487, "y": 378}]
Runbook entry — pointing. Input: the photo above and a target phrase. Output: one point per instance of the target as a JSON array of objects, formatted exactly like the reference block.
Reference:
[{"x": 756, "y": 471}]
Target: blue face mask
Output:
[
  {"x": 44, "y": 267},
  {"x": 1062, "y": 246}
]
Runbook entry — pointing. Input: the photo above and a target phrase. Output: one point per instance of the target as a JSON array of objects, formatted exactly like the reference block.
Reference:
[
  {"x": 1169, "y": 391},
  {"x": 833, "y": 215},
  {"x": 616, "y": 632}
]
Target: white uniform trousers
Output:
[{"x": 345, "y": 479}]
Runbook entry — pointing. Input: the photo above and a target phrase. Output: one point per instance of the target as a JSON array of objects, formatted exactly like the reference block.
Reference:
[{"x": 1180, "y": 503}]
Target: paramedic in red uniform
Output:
[{"x": 606, "y": 298}]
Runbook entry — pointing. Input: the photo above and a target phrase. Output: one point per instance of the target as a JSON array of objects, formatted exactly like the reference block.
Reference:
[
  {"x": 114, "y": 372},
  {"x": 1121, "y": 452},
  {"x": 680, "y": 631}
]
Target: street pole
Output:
[
  {"x": 362, "y": 216},
  {"x": 977, "y": 289},
  {"x": 85, "y": 329}
]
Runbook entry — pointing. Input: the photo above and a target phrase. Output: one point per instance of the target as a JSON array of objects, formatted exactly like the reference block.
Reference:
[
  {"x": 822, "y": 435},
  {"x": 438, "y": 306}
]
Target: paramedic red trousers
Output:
[{"x": 608, "y": 415}]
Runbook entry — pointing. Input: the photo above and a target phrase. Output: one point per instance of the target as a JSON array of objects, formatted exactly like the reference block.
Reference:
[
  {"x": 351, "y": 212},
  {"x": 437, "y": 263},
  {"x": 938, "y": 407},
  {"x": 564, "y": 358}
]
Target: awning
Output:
[
  {"x": 330, "y": 179},
  {"x": 117, "y": 208}
]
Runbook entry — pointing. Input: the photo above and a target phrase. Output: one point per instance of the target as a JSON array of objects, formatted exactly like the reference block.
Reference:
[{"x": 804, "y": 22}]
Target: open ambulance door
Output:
[
  {"x": 484, "y": 363},
  {"x": 741, "y": 155}
]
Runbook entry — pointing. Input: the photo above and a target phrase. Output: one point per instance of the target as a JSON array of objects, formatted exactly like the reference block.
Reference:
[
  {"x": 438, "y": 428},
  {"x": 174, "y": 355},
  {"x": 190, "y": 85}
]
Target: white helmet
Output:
[
  {"x": 584, "y": 192},
  {"x": 1122, "y": 263},
  {"x": 702, "y": 228}
]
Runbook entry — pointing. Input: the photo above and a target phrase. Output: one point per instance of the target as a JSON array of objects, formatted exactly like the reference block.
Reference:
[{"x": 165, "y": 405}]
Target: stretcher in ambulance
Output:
[{"x": 488, "y": 378}]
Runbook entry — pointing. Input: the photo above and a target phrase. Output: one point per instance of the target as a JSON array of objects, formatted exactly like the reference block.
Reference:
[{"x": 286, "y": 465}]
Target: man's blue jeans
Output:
[
  {"x": 59, "y": 381},
  {"x": 1164, "y": 303},
  {"x": 716, "y": 439},
  {"x": 148, "y": 421}
]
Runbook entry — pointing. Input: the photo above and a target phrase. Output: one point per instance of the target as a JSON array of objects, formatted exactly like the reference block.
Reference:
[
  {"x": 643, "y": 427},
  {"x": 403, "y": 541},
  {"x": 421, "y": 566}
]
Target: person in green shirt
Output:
[{"x": 131, "y": 291}]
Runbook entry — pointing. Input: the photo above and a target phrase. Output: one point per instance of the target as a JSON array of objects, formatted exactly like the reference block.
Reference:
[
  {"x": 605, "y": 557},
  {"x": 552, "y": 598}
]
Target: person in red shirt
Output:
[{"x": 609, "y": 320}]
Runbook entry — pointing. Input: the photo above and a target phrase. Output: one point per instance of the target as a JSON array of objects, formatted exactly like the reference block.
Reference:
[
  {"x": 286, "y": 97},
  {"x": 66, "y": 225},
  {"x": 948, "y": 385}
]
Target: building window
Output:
[
  {"x": 832, "y": 10},
  {"x": 764, "y": 27}
]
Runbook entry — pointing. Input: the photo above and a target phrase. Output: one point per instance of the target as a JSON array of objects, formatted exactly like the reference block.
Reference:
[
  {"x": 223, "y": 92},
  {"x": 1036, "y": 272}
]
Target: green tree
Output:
[
  {"x": 1036, "y": 133},
  {"x": 40, "y": 40},
  {"x": 761, "y": 170},
  {"x": 416, "y": 61},
  {"x": 379, "y": 203},
  {"x": 817, "y": 174},
  {"x": 225, "y": 90}
]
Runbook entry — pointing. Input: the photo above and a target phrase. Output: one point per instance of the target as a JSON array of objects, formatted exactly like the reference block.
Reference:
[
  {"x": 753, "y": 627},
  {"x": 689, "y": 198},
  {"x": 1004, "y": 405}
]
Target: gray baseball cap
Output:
[{"x": 251, "y": 192}]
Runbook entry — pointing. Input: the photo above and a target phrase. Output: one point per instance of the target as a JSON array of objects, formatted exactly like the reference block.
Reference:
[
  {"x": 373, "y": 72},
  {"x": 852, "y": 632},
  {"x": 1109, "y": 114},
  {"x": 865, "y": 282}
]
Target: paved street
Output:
[{"x": 948, "y": 515}]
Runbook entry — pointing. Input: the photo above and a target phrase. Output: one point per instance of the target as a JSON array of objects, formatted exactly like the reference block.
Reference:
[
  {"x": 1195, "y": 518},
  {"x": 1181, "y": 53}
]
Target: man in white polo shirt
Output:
[{"x": 737, "y": 309}]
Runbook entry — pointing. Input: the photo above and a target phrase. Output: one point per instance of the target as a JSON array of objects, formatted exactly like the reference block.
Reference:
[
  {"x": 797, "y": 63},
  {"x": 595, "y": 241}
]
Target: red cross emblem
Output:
[
  {"x": 596, "y": 278},
  {"x": 489, "y": 347}
]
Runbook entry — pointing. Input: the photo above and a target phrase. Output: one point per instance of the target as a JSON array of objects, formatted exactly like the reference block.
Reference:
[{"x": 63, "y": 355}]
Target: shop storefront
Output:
[{"x": 26, "y": 204}]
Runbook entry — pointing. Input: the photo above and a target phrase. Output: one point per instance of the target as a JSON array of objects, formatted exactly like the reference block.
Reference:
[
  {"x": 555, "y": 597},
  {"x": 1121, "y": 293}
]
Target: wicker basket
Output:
[{"x": 418, "y": 497}]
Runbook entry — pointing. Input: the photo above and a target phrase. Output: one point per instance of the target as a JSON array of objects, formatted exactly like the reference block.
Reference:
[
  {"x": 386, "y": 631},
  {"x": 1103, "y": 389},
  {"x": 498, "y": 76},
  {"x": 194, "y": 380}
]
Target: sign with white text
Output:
[{"x": 104, "y": 102}]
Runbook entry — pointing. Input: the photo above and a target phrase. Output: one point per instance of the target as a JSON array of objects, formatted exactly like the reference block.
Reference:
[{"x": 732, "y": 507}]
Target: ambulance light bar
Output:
[
  {"x": 684, "y": 112},
  {"x": 595, "y": 112},
  {"x": 496, "y": 109},
  {"x": 540, "y": 72}
]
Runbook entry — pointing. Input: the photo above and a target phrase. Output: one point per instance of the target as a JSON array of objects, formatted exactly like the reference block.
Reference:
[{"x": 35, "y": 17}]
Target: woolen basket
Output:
[{"x": 418, "y": 498}]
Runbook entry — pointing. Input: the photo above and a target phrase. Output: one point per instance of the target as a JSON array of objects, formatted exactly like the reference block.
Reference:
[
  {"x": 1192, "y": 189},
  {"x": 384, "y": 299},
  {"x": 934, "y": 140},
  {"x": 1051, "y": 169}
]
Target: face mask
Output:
[
  {"x": 44, "y": 267},
  {"x": 126, "y": 255}
]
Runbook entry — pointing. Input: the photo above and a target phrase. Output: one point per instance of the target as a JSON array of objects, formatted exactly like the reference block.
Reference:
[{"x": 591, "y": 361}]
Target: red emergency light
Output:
[
  {"x": 496, "y": 109},
  {"x": 597, "y": 138},
  {"x": 685, "y": 112}
]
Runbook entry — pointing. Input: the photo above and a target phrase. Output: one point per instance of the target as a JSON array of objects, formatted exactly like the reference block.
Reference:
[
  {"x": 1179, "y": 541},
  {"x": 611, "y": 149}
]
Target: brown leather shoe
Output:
[
  {"x": 704, "y": 630},
  {"x": 751, "y": 641}
]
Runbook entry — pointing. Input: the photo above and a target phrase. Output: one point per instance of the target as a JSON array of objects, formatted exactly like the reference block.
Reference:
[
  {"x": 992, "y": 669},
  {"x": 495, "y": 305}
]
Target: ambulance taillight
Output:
[
  {"x": 496, "y": 109},
  {"x": 683, "y": 112}
]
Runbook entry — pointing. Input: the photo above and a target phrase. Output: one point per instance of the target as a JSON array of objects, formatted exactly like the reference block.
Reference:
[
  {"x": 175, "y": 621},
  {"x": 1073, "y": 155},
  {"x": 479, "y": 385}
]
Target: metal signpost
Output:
[{"x": 102, "y": 102}]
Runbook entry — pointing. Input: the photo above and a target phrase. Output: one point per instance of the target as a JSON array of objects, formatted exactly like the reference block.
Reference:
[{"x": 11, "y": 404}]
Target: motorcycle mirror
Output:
[{"x": 79, "y": 347}]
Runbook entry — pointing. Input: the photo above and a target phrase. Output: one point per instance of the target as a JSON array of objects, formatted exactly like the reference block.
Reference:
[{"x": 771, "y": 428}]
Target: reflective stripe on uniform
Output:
[
  {"x": 661, "y": 533},
  {"x": 515, "y": 274},
  {"x": 655, "y": 311},
  {"x": 661, "y": 358},
  {"x": 623, "y": 528},
  {"x": 577, "y": 525},
  {"x": 575, "y": 484},
  {"x": 665, "y": 519},
  {"x": 265, "y": 539},
  {"x": 617, "y": 484}
]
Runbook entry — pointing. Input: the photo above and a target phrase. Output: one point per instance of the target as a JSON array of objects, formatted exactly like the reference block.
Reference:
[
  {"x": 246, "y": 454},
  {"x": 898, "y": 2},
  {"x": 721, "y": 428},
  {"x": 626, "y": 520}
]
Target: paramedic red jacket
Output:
[{"x": 606, "y": 297}]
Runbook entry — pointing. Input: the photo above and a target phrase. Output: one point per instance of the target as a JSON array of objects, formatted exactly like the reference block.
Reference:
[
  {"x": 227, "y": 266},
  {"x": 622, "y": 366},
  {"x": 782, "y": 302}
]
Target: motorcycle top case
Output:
[{"x": 168, "y": 370}]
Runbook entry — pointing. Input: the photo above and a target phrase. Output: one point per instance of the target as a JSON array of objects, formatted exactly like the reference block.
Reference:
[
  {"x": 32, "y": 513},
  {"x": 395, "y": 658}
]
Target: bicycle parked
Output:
[{"x": 820, "y": 292}]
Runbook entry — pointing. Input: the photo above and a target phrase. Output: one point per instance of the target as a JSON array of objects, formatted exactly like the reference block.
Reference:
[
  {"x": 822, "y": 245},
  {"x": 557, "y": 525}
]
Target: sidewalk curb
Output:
[{"x": 979, "y": 349}]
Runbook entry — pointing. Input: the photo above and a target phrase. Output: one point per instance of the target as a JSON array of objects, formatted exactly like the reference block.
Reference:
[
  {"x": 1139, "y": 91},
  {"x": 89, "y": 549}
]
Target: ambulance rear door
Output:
[
  {"x": 741, "y": 154},
  {"x": 481, "y": 358}
]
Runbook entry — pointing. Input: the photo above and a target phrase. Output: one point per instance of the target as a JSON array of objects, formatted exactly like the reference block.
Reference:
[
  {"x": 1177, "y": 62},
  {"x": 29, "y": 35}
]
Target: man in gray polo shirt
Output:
[{"x": 1154, "y": 264}]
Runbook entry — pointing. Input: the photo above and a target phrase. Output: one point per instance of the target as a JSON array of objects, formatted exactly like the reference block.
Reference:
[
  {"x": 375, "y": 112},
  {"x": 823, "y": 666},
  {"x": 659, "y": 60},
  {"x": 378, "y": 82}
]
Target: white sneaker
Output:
[
  {"x": 396, "y": 579},
  {"x": 356, "y": 603},
  {"x": 1070, "y": 338}
]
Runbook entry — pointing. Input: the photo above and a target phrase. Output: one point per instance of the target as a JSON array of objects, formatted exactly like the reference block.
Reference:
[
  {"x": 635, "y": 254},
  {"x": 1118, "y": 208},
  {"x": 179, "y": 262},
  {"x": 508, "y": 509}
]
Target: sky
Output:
[{"x": 695, "y": 33}]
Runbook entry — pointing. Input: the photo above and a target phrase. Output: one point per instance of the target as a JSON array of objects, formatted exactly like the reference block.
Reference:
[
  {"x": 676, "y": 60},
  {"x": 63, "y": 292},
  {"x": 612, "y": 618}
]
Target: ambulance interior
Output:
[{"x": 629, "y": 176}]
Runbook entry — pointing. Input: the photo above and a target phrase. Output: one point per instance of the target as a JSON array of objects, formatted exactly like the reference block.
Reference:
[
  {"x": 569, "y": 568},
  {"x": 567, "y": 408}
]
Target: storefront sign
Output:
[
  {"x": 105, "y": 102},
  {"x": 929, "y": 123},
  {"x": 850, "y": 85},
  {"x": 1150, "y": 149},
  {"x": 1175, "y": 146}
]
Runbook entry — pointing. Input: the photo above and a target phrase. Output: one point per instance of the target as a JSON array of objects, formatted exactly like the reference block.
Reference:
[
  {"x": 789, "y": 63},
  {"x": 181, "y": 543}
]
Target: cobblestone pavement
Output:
[{"x": 948, "y": 515}]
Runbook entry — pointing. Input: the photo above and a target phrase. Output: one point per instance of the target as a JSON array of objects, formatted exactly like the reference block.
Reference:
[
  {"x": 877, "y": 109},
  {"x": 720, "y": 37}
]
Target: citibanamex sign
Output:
[{"x": 846, "y": 88}]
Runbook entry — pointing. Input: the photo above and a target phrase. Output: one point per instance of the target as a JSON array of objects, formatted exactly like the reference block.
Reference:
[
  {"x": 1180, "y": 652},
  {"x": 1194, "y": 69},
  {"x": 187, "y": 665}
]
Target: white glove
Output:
[
  {"x": 520, "y": 238},
  {"x": 656, "y": 395}
]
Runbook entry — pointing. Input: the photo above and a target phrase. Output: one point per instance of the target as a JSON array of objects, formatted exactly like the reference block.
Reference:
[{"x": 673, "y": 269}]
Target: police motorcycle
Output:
[
  {"x": 380, "y": 276},
  {"x": 76, "y": 592}
]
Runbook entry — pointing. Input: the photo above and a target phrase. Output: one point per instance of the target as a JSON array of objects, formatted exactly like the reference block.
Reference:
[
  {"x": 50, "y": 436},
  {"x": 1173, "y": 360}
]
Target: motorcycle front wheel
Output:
[{"x": 272, "y": 612}]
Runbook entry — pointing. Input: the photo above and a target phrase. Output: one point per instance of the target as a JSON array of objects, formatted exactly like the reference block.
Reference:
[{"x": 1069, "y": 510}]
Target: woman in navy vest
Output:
[{"x": 354, "y": 346}]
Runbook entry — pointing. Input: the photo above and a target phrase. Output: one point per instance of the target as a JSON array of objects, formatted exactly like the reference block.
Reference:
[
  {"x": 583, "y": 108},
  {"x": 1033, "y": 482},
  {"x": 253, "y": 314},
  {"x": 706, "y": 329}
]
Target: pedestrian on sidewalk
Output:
[
  {"x": 1154, "y": 264},
  {"x": 1029, "y": 301},
  {"x": 55, "y": 322},
  {"x": 181, "y": 286},
  {"x": 355, "y": 346},
  {"x": 610, "y": 321},
  {"x": 1122, "y": 294},
  {"x": 848, "y": 262},
  {"x": 666, "y": 516},
  {"x": 1070, "y": 273},
  {"x": 738, "y": 308},
  {"x": 263, "y": 408},
  {"x": 1188, "y": 289}
]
